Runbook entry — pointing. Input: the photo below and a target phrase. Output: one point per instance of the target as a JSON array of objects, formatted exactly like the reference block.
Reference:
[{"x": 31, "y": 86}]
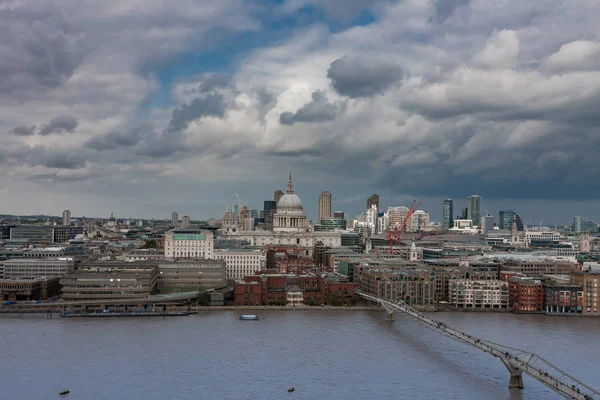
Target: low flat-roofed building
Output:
[
  {"x": 190, "y": 275},
  {"x": 36, "y": 234},
  {"x": 101, "y": 280},
  {"x": 28, "y": 289},
  {"x": 38, "y": 267},
  {"x": 143, "y": 255}
]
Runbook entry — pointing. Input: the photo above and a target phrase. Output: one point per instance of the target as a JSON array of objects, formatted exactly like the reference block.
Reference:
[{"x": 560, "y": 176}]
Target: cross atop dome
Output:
[{"x": 290, "y": 189}]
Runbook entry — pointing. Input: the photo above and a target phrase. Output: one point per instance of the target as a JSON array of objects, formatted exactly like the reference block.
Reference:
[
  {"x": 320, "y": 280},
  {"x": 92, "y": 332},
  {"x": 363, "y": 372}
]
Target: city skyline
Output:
[{"x": 231, "y": 96}]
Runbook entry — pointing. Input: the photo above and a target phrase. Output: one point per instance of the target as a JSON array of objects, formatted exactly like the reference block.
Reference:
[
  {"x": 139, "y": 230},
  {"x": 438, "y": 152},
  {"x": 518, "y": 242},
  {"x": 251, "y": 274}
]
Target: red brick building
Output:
[
  {"x": 526, "y": 294},
  {"x": 293, "y": 264},
  {"x": 272, "y": 289}
]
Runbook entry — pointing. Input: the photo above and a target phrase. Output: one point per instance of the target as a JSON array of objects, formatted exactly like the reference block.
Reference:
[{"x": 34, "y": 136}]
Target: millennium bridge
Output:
[{"x": 516, "y": 361}]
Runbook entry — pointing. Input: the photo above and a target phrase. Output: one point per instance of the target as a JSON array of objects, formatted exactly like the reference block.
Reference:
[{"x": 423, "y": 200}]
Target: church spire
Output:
[{"x": 290, "y": 188}]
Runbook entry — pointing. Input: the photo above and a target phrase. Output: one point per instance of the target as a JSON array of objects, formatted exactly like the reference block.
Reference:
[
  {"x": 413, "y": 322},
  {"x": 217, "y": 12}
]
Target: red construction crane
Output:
[{"x": 398, "y": 230}]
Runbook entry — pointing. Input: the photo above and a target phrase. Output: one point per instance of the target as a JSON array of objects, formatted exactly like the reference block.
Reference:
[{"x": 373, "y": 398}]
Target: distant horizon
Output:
[{"x": 231, "y": 97}]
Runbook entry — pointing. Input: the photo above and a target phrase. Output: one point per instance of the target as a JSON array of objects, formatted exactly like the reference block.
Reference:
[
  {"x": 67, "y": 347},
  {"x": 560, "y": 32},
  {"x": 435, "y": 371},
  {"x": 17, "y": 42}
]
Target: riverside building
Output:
[
  {"x": 37, "y": 267},
  {"x": 189, "y": 243}
]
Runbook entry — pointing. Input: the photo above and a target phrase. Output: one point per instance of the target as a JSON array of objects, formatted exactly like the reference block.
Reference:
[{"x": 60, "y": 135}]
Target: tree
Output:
[
  {"x": 203, "y": 299},
  {"x": 335, "y": 299},
  {"x": 309, "y": 302},
  {"x": 148, "y": 244}
]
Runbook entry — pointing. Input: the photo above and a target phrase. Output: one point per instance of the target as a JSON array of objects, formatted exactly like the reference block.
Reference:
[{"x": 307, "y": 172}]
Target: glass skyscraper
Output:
[
  {"x": 581, "y": 224},
  {"x": 474, "y": 209},
  {"x": 448, "y": 214},
  {"x": 505, "y": 220}
]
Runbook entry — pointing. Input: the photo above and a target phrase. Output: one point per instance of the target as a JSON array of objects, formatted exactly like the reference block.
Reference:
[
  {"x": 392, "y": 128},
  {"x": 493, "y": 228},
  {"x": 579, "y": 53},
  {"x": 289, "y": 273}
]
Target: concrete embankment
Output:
[{"x": 282, "y": 308}]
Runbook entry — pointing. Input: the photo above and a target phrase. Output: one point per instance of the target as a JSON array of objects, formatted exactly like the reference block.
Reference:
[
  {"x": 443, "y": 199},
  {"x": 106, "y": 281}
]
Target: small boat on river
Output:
[{"x": 249, "y": 317}]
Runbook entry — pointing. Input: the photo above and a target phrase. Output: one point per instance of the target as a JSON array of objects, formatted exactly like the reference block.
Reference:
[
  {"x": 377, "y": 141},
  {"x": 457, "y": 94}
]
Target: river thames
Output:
[{"x": 323, "y": 354}]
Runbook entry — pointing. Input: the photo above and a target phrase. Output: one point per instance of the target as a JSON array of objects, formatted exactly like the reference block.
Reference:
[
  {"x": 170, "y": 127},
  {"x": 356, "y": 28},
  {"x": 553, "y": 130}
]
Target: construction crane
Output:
[{"x": 397, "y": 233}]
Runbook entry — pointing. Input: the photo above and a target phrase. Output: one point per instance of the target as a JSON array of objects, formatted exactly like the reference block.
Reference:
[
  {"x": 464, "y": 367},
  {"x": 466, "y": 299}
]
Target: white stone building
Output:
[
  {"x": 241, "y": 262},
  {"x": 189, "y": 244}
]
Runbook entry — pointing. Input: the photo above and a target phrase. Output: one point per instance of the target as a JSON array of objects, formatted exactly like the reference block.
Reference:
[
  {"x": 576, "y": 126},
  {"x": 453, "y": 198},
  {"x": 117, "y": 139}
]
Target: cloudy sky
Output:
[{"x": 143, "y": 107}]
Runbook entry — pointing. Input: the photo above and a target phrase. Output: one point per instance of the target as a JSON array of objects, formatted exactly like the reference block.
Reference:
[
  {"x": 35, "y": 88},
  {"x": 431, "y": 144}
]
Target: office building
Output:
[
  {"x": 339, "y": 214},
  {"x": 418, "y": 222},
  {"x": 190, "y": 275},
  {"x": 240, "y": 262},
  {"x": 487, "y": 224},
  {"x": 324, "y": 206},
  {"x": 29, "y": 289},
  {"x": 62, "y": 234},
  {"x": 175, "y": 219},
  {"x": 278, "y": 194},
  {"x": 66, "y": 218},
  {"x": 36, "y": 234},
  {"x": 373, "y": 199},
  {"x": 474, "y": 209},
  {"x": 20, "y": 268},
  {"x": 105, "y": 280},
  {"x": 448, "y": 214},
  {"x": 506, "y": 218},
  {"x": 581, "y": 224},
  {"x": 189, "y": 243},
  {"x": 185, "y": 221}
]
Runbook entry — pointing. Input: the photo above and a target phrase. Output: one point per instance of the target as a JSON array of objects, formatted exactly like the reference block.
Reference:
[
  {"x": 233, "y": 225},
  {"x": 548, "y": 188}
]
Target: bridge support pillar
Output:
[
  {"x": 390, "y": 316},
  {"x": 516, "y": 375}
]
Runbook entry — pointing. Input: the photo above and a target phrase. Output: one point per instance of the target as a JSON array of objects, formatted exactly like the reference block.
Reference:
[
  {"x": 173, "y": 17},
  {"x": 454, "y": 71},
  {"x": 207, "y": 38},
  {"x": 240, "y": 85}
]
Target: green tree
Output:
[
  {"x": 335, "y": 299},
  {"x": 148, "y": 244},
  {"x": 309, "y": 302},
  {"x": 203, "y": 299}
]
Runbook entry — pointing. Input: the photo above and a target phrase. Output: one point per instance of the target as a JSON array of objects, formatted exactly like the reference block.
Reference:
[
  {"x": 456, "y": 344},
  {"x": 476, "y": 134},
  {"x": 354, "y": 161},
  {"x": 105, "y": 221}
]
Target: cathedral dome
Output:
[{"x": 290, "y": 201}]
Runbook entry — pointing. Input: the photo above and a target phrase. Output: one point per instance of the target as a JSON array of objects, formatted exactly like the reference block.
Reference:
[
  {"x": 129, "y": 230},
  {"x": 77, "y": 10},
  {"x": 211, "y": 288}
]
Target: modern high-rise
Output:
[
  {"x": 185, "y": 221},
  {"x": 324, "y": 205},
  {"x": 581, "y": 224},
  {"x": 66, "y": 219},
  {"x": 487, "y": 224},
  {"x": 277, "y": 195},
  {"x": 374, "y": 199},
  {"x": 505, "y": 220},
  {"x": 474, "y": 209},
  {"x": 448, "y": 214},
  {"x": 175, "y": 219}
]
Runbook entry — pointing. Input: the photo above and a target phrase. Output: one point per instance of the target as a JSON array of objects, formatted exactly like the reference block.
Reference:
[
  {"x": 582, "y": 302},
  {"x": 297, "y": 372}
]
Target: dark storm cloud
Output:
[
  {"x": 363, "y": 77},
  {"x": 42, "y": 51},
  {"x": 23, "y": 130},
  {"x": 319, "y": 109},
  {"x": 212, "y": 105},
  {"x": 59, "y": 125},
  {"x": 115, "y": 140}
]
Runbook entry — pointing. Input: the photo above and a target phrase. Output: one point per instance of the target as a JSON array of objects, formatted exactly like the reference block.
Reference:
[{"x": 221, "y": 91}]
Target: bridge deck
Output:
[{"x": 521, "y": 360}]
